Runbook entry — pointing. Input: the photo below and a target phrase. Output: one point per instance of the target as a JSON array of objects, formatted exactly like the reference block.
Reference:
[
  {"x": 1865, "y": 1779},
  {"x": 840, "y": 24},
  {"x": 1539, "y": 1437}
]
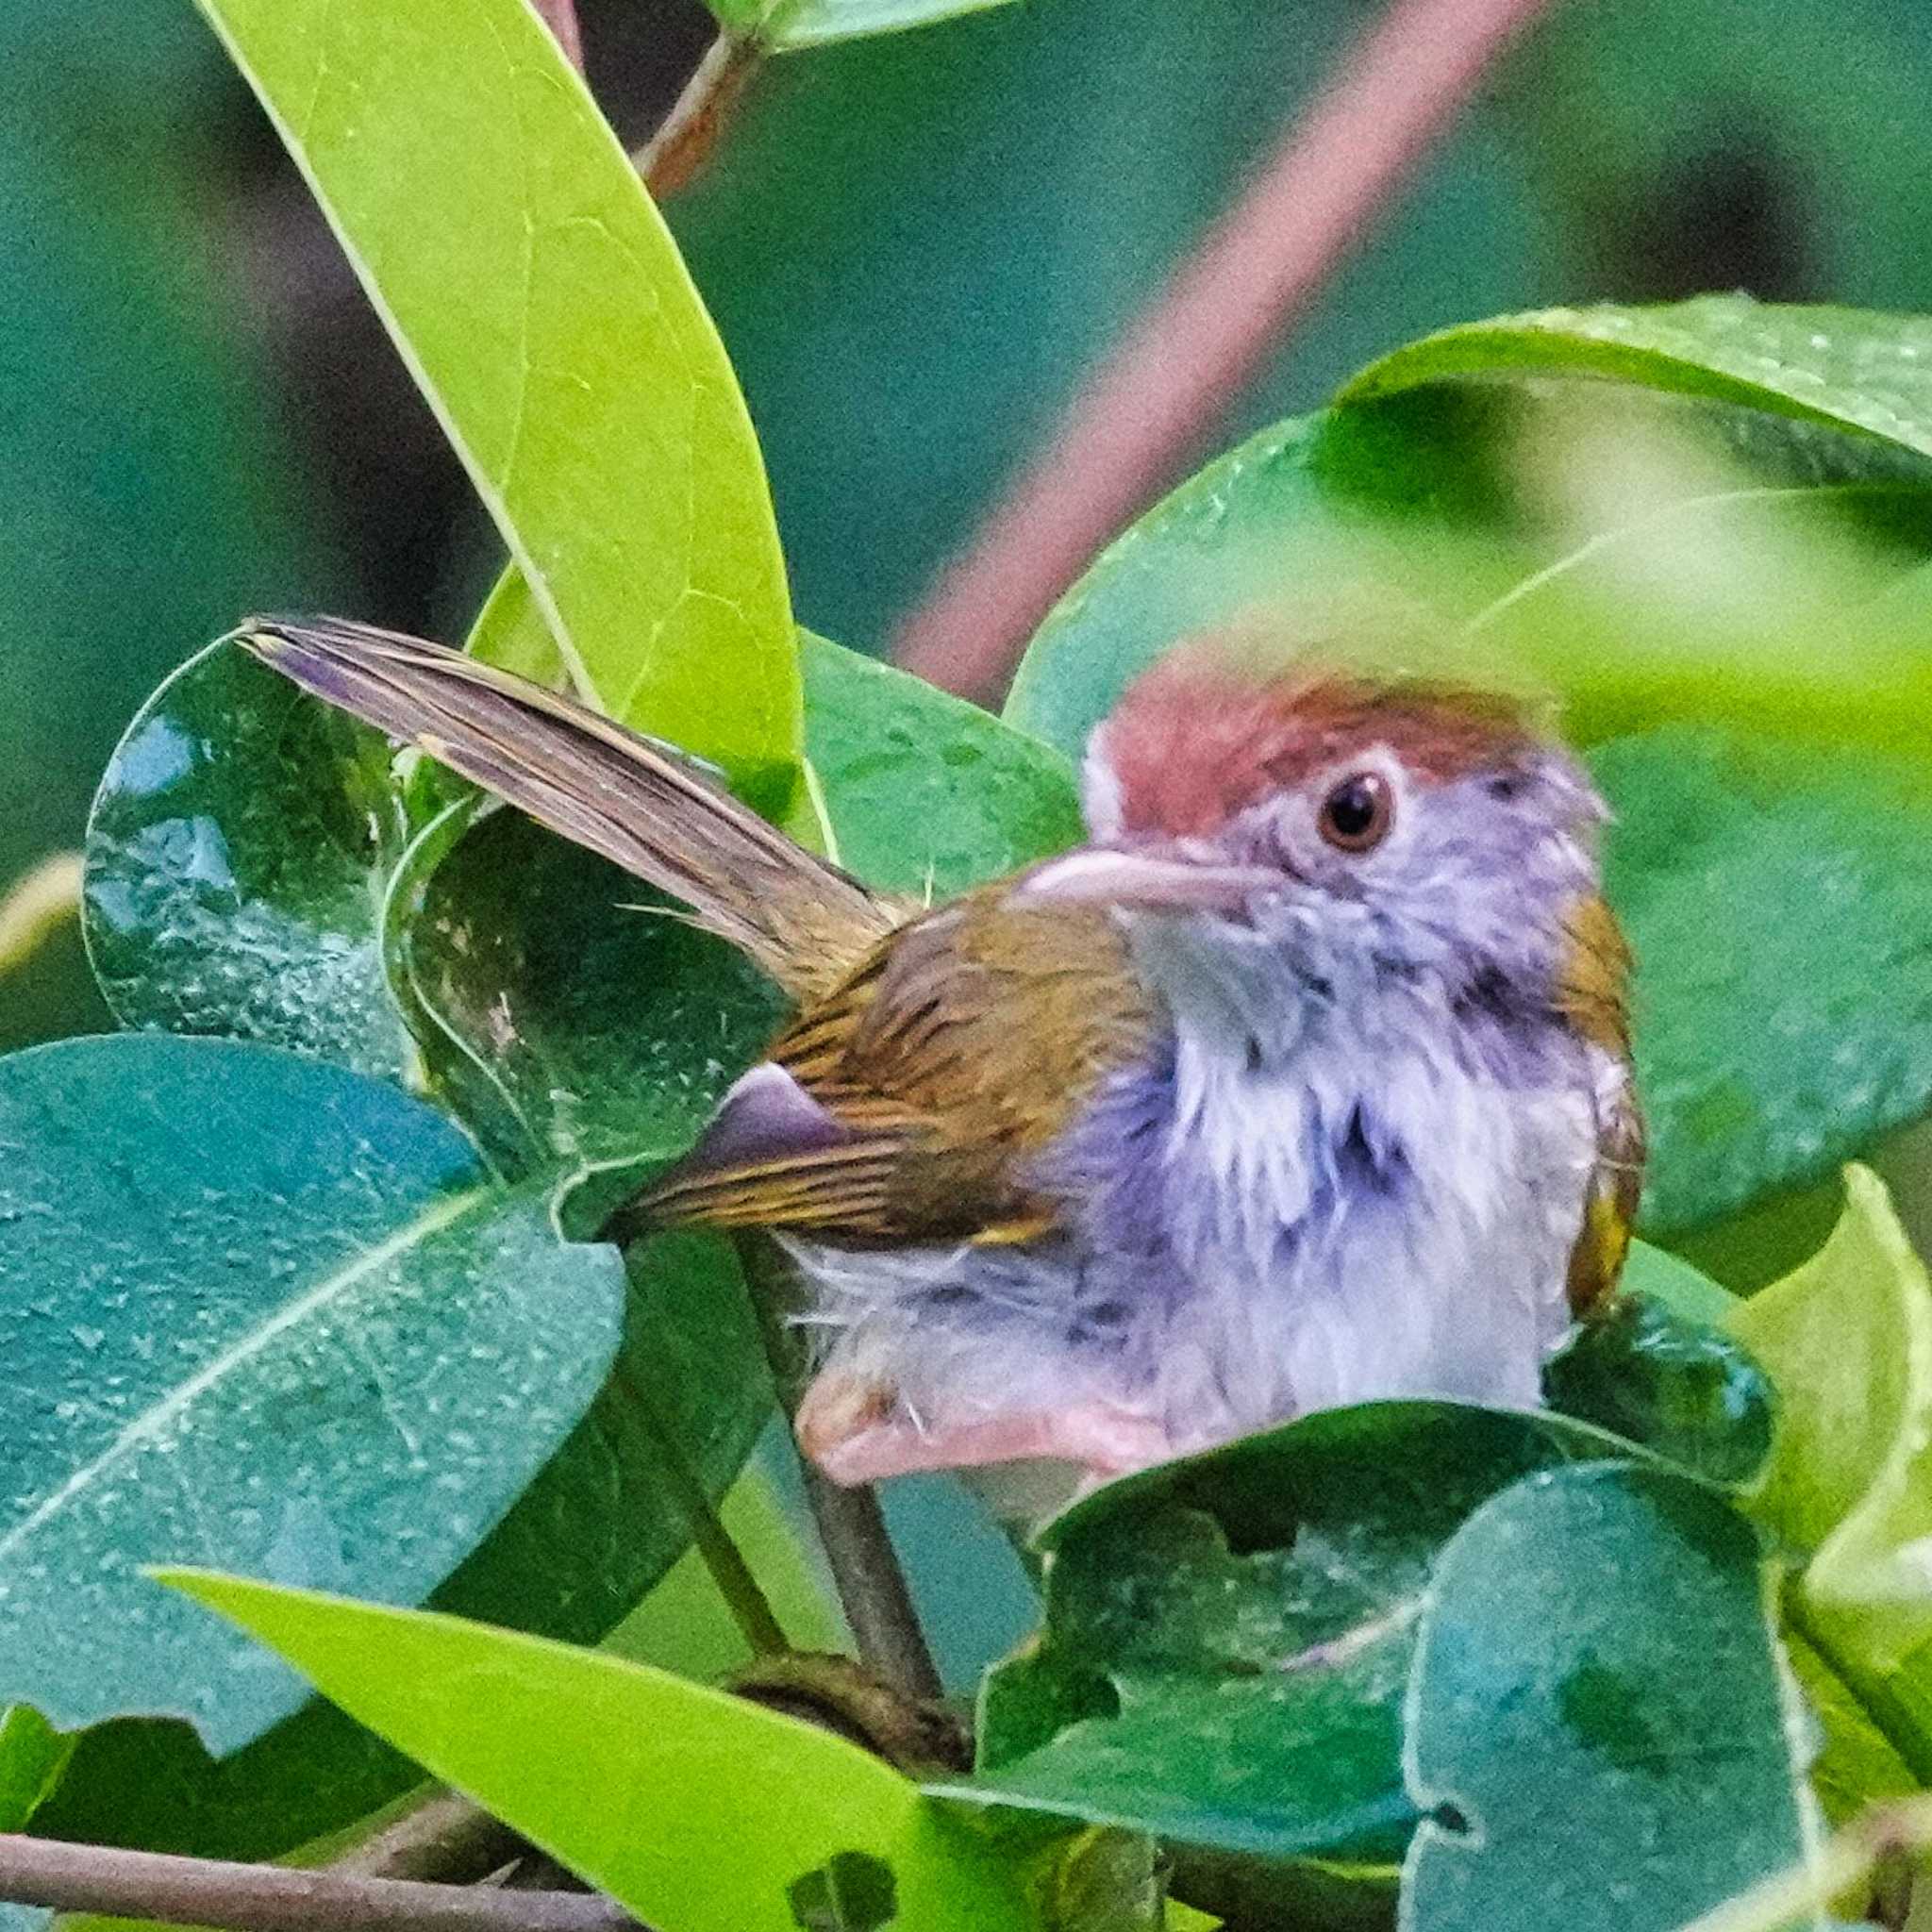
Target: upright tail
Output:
[{"x": 639, "y": 803}]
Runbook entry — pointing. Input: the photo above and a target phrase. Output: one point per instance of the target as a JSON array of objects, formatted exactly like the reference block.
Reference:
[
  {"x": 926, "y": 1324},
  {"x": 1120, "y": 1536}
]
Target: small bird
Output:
[{"x": 1306, "y": 1080}]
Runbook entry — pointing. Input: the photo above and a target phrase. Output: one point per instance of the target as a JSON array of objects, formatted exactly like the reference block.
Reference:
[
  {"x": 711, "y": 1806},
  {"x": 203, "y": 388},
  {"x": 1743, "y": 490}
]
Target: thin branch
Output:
[
  {"x": 1187, "y": 356},
  {"x": 39, "y": 904},
  {"x": 687, "y": 134},
  {"x": 561, "y": 17},
  {"x": 731, "y": 1575},
  {"x": 272, "y": 1898},
  {"x": 870, "y": 1583}
]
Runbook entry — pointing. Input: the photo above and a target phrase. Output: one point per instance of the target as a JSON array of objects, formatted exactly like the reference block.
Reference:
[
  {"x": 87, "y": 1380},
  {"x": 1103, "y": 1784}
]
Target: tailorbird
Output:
[{"x": 1306, "y": 1080}]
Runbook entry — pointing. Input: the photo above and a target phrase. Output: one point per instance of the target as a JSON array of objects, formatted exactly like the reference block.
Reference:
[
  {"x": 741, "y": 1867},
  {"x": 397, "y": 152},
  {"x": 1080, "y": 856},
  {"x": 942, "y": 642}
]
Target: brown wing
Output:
[
  {"x": 1594, "y": 996},
  {"x": 920, "y": 1085}
]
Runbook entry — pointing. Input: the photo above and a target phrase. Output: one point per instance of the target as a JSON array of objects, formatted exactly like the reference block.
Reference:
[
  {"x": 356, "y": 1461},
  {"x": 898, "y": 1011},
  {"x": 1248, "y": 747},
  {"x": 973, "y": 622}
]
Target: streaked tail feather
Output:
[{"x": 638, "y": 802}]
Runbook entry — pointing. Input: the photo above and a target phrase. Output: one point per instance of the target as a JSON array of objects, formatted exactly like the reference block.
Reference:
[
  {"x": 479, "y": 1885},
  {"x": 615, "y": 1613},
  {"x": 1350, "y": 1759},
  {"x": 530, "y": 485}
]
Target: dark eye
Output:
[{"x": 1358, "y": 812}]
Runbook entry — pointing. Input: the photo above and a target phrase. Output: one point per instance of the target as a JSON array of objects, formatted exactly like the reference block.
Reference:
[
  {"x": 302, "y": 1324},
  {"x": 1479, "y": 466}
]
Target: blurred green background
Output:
[{"x": 913, "y": 246}]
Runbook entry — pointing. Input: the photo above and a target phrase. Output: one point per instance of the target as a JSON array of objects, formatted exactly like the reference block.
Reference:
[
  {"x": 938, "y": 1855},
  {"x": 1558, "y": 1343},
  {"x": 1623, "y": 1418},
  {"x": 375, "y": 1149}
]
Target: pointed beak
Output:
[{"x": 1102, "y": 875}]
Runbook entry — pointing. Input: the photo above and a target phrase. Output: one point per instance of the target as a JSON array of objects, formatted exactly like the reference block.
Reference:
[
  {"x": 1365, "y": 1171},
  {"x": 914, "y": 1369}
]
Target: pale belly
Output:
[{"x": 1244, "y": 1247}]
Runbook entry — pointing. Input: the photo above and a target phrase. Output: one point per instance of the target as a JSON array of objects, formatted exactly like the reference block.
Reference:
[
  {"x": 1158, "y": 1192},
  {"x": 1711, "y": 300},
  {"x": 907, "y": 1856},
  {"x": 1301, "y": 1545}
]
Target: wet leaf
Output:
[
  {"x": 1227, "y": 1638},
  {"x": 544, "y": 1735},
  {"x": 928, "y": 794},
  {"x": 235, "y": 860},
  {"x": 1408, "y": 517},
  {"x": 571, "y": 1016},
  {"x": 1766, "y": 890},
  {"x": 1679, "y": 1383},
  {"x": 1589, "y": 1755},
  {"x": 263, "y": 1309},
  {"x": 1857, "y": 366},
  {"x": 598, "y": 1525},
  {"x": 514, "y": 254}
]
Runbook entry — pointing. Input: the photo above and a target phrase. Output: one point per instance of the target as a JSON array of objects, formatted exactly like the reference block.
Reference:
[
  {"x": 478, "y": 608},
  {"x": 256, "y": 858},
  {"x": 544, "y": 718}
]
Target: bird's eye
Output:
[{"x": 1358, "y": 812}]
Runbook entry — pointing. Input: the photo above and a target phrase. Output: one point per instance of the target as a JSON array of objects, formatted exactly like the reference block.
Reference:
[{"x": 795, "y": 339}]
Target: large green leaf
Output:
[
  {"x": 1599, "y": 1730},
  {"x": 1659, "y": 1368},
  {"x": 1850, "y": 366},
  {"x": 1847, "y": 1340},
  {"x": 660, "y": 1792},
  {"x": 1723, "y": 851},
  {"x": 1766, "y": 890},
  {"x": 505, "y": 240},
  {"x": 268, "y": 1311},
  {"x": 598, "y": 1525},
  {"x": 1227, "y": 1638},
  {"x": 1679, "y": 563},
  {"x": 928, "y": 794},
  {"x": 236, "y": 856},
  {"x": 572, "y": 1017}
]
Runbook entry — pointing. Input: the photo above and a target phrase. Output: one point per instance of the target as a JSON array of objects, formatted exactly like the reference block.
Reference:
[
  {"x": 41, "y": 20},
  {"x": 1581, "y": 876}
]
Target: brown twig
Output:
[
  {"x": 272, "y": 1898},
  {"x": 865, "y": 1568},
  {"x": 686, "y": 135},
  {"x": 1184, "y": 360},
  {"x": 561, "y": 17}
]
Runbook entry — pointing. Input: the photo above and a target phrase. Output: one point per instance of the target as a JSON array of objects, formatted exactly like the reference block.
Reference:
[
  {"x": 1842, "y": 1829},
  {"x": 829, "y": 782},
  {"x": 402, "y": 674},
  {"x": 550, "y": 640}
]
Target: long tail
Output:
[{"x": 638, "y": 802}]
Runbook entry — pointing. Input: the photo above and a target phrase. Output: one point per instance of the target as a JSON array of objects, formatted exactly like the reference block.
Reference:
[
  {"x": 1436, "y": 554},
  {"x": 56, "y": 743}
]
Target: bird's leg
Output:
[{"x": 856, "y": 1432}]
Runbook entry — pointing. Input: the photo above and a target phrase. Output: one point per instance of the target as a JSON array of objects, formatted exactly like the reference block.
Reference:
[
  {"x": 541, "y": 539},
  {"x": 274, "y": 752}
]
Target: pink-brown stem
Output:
[
  {"x": 561, "y": 17},
  {"x": 1186, "y": 356}
]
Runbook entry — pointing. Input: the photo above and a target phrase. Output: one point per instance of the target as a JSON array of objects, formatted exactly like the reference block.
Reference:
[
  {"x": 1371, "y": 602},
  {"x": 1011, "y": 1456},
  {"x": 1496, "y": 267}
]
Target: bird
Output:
[{"x": 1304, "y": 1081}]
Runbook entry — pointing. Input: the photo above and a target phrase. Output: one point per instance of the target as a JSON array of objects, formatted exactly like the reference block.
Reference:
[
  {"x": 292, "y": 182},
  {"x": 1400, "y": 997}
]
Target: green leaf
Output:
[
  {"x": 1415, "y": 503},
  {"x": 655, "y": 1791},
  {"x": 783, "y": 24},
  {"x": 1227, "y": 1637},
  {"x": 572, "y": 1017},
  {"x": 501, "y": 232},
  {"x": 32, "y": 1756},
  {"x": 1600, "y": 1734},
  {"x": 1854, "y": 367},
  {"x": 928, "y": 794},
  {"x": 600, "y": 1524},
  {"x": 1678, "y": 1383},
  {"x": 1644, "y": 556},
  {"x": 1847, "y": 1342},
  {"x": 235, "y": 859},
  {"x": 266, "y": 1312},
  {"x": 1783, "y": 1065}
]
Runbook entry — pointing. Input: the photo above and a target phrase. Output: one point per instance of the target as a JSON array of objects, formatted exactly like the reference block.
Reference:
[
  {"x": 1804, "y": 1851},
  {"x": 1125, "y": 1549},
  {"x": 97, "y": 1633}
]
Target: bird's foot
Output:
[{"x": 856, "y": 1432}]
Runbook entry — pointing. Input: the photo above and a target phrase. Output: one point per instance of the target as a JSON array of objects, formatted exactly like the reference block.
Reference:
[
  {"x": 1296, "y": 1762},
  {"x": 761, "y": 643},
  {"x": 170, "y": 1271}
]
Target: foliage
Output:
[{"x": 287, "y": 1268}]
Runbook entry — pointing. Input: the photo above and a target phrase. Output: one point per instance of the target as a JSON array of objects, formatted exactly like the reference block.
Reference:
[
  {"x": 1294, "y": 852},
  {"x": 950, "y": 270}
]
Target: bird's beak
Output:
[{"x": 1102, "y": 875}]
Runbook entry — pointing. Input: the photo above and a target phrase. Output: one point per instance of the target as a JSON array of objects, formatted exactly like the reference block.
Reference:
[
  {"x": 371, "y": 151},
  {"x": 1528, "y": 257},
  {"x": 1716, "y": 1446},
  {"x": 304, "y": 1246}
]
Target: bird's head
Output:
[{"x": 1338, "y": 828}]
